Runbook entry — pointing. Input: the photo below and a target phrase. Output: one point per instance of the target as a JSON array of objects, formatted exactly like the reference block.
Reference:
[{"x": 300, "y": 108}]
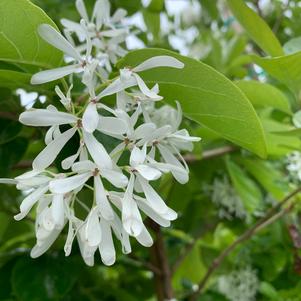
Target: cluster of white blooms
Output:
[
  {"x": 149, "y": 141},
  {"x": 294, "y": 165},
  {"x": 229, "y": 203},
  {"x": 241, "y": 284}
]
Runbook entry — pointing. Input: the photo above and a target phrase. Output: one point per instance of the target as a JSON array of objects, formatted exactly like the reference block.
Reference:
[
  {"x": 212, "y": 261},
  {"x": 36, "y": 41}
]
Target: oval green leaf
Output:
[{"x": 20, "y": 43}]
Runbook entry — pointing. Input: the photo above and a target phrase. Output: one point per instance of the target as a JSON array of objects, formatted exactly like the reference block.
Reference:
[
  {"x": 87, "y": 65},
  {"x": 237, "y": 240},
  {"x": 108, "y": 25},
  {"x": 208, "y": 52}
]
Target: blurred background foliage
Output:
[{"x": 227, "y": 193}]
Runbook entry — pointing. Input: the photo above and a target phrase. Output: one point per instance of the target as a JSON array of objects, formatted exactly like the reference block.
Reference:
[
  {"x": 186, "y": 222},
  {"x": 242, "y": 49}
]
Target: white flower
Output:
[
  {"x": 129, "y": 77},
  {"x": 53, "y": 37}
]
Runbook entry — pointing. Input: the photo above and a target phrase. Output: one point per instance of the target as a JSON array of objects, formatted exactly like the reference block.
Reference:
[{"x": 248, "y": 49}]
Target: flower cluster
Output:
[
  {"x": 226, "y": 199},
  {"x": 241, "y": 284},
  {"x": 147, "y": 140}
]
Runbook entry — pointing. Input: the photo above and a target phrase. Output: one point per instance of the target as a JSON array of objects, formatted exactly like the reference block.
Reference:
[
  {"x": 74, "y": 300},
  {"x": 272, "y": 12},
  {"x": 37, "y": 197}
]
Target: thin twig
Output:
[
  {"x": 270, "y": 216},
  {"x": 9, "y": 115},
  {"x": 145, "y": 264},
  {"x": 212, "y": 153}
]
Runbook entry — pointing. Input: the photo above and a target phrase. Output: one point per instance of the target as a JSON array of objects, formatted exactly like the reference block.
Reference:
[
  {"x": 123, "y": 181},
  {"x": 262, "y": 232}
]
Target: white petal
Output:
[
  {"x": 148, "y": 173},
  {"x": 83, "y": 166},
  {"x": 181, "y": 175},
  {"x": 159, "y": 219},
  {"x": 158, "y": 134},
  {"x": 68, "y": 162},
  {"x": 119, "y": 14},
  {"x": 101, "y": 12},
  {"x": 97, "y": 151},
  {"x": 54, "y": 74},
  {"x": 113, "y": 32},
  {"x": 137, "y": 156},
  {"x": 121, "y": 234},
  {"x": 93, "y": 229},
  {"x": 144, "y": 88},
  {"x": 69, "y": 240},
  {"x": 117, "y": 86},
  {"x": 29, "y": 201},
  {"x": 75, "y": 27},
  {"x": 112, "y": 125},
  {"x": 69, "y": 184},
  {"x": 144, "y": 130},
  {"x": 144, "y": 238},
  {"x": 40, "y": 249},
  {"x": 42, "y": 117},
  {"x": 131, "y": 217},
  {"x": 57, "y": 209},
  {"x": 101, "y": 199},
  {"x": 152, "y": 197},
  {"x": 90, "y": 118},
  {"x": 81, "y": 8},
  {"x": 117, "y": 178},
  {"x": 50, "y": 152},
  {"x": 53, "y": 37},
  {"x": 159, "y": 61},
  {"x": 106, "y": 248},
  {"x": 8, "y": 181}
]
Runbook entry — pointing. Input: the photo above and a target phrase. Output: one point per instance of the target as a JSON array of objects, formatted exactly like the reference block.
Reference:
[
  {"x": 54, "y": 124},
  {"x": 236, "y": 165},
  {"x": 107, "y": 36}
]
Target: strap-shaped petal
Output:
[
  {"x": 54, "y": 74},
  {"x": 131, "y": 217},
  {"x": 42, "y": 117},
  {"x": 90, "y": 118},
  {"x": 69, "y": 184},
  {"x": 106, "y": 248},
  {"x": 159, "y": 61},
  {"x": 29, "y": 201},
  {"x": 81, "y": 8},
  {"x": 97, "y": 151},
  {"x": 102, "y": 201},
  {"x": 50, "y": 152},
  {"x": 54, "y": 38}
]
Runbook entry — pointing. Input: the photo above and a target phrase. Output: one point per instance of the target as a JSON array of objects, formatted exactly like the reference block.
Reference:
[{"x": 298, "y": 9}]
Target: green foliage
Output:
[
  {"x": 256, "y": 27},
  {"x": 20, "y": 44},
  {"x": 238, "y": 109}
]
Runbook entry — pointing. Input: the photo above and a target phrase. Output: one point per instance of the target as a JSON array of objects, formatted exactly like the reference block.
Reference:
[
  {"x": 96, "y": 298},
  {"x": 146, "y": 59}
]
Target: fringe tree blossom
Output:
[{"x": 144, "y": 144}]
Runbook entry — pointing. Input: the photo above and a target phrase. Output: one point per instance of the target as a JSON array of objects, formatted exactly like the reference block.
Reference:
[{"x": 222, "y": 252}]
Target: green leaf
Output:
[
  {"x": 50, "y": 278},
  {"x": 286, "y": 69},
  {"x": 192, "y": 268},
  {"x": 279, "y": 144},
  {"x": 21, "y": 45},
  {"x": 264, "y": 95},
  {"x": 256, "y": 27},
  {"x": 267, "y": 176},
  {"x": 19, "y": 40},
  {"x": 246, "y": 188},
  {"x": 9, "y": 130},
  {"x": 292, "y": 46},
  {"x": 206, "y": 96}
]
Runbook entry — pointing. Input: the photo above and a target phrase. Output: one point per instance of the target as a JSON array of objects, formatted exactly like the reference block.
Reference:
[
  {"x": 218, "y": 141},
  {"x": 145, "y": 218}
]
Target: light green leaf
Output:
[
  {"x": 286, "y": 69},
  {"x": 292, "y": 46},
  {"x": 264, "y": 95},
  {"x": 279, "y": 144},
  {"x": 19, "y": 40},
  {"x": 192, "y": 268},
  {"x": 267, "y": 175},
  {"x": 206, "y": 96},
  {"x": 246, "y": 188},
  {"x": 256, "y": 27}
]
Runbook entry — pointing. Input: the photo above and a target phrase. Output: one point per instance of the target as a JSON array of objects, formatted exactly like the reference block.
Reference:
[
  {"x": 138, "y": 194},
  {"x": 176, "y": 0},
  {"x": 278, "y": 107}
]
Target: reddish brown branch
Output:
[{"x": 159, "y": 259}]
